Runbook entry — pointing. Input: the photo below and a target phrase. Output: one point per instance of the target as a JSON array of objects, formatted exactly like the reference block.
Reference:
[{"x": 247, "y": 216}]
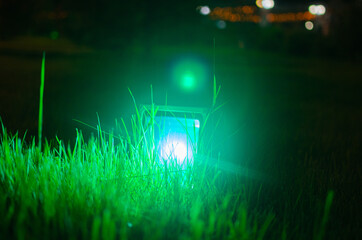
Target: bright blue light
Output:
[
  {"x": 174, "y": 147},
  {"x": 177, "y": 139}
]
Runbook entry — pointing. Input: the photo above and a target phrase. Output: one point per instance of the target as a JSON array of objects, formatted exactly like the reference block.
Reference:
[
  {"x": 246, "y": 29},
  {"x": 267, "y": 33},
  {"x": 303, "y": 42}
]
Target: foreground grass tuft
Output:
[{"x": 110, "y": 188}]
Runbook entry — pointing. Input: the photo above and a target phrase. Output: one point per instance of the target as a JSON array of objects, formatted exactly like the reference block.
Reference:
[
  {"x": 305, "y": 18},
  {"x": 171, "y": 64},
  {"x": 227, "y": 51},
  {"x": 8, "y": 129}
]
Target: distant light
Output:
[
  {"x": 267, "y": 4},
  {"x": 317, "y": 9},
  {"x": 322, "y": 10},
  {"x": 259, "y": 3},
  {"x": 309, "y": 25},
  {"x": 313, "y": 9},
  {"x": 205, "y": 10},
  {"x": 221, "y": 24}
]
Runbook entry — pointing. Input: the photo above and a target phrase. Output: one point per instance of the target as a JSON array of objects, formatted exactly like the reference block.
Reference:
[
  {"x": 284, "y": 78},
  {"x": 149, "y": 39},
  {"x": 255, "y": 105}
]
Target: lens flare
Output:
[{"x": 189, "y": 74}]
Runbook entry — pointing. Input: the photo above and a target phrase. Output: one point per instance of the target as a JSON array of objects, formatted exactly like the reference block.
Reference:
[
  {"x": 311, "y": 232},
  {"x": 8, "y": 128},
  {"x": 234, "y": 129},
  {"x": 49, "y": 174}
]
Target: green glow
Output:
[
  {"x": 54, "y": 35},
  {"x": 188, "y": 80},
  {"x": 189, "y": 74}
]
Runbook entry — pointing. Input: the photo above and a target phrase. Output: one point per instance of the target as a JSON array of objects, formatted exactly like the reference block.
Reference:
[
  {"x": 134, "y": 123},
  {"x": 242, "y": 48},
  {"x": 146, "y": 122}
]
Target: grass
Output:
[
  {"x": 113, "y": 187},
  {"x": 97, "y": 188},
  {"x": 40, "y": 119}
]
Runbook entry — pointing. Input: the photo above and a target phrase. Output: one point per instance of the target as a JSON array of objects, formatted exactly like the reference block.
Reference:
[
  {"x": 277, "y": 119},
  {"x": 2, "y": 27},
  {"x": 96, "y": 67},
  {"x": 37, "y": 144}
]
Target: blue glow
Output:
[{"x": 177, "y": 139}]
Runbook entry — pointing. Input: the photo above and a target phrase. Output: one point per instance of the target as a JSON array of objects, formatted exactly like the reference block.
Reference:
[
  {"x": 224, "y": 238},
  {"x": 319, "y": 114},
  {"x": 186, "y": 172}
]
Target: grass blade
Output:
[{"x": 40, "y": 120}]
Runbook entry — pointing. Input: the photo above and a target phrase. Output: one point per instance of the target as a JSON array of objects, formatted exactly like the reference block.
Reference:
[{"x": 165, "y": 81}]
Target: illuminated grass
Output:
[
  {"x": 40, "y": 119},
  {"x": 100, "y": 189},
  {"x": 110, "y": 187}
]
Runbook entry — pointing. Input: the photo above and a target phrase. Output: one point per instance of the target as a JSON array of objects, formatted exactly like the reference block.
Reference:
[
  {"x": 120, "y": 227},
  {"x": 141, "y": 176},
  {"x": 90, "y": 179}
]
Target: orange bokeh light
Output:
[{"x": 246, "y": 14}]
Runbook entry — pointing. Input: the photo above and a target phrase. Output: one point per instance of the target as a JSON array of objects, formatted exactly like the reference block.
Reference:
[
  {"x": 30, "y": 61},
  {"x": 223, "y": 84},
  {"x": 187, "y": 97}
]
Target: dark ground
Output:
[{"x": 296, "y": 120}]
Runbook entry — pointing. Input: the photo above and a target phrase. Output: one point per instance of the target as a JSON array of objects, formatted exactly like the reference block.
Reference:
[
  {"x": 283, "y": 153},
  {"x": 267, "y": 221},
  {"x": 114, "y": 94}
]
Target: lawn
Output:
[{"x": 289, "y": 139}]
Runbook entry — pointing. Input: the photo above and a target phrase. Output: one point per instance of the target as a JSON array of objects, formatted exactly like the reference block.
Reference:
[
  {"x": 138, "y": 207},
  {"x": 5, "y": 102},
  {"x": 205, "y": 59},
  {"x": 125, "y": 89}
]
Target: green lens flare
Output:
[
  {"x": 189, "y": 74},
  {"x": 188, "y": 81}
]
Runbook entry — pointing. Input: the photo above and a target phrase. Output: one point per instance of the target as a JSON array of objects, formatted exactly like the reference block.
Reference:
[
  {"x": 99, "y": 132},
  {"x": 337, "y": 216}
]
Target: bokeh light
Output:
[
  {"x": 247, "y": 14},
  {"x": 267, "y": 4},
  {"x": 312, "y": 9},
  {"x": 221, "y": 24},
  {"x": 205, "y": 10},
  {"x": 317, "y": 9},
  {"x": 259, "y": 4},
  {"x": 309, "y": 25}
]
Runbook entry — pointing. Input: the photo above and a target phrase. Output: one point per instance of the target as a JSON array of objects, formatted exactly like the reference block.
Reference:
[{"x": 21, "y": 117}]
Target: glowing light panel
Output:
[
  {"x": 177, "y": 139},
  {"x": 175, "y": 147}
]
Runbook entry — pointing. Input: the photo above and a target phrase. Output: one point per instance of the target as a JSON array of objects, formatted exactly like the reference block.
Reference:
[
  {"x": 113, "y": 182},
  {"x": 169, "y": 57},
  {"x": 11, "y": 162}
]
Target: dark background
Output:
[
  {"x": 293, "y": 97},
  {"x": 97, "y": 49}
]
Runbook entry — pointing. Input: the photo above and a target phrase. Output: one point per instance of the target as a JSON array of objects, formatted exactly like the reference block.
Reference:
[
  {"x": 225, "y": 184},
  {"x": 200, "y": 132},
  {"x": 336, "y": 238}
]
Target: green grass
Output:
[
  {"x": 40, "y": 119},
  {"x": 112, "y": 187},
  {"x": 108, "y": 186},
  {"x": 99, "y": 189}
]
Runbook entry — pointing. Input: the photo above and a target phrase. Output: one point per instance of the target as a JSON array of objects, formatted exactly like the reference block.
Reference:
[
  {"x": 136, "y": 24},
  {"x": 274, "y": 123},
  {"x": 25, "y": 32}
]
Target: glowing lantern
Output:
[{"x": 176, "y": 133}]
